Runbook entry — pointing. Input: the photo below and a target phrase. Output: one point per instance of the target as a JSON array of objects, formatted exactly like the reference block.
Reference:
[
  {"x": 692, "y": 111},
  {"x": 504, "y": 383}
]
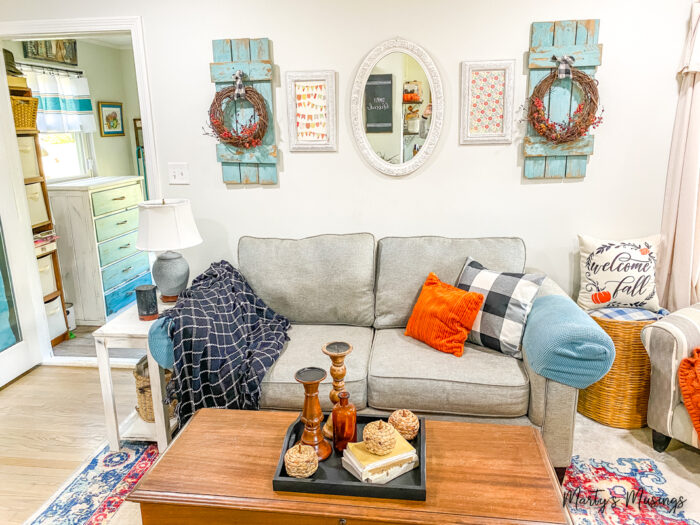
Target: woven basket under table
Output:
[
  {"x": 144, "y": 400},
  {"x": 620, "y": 399}
]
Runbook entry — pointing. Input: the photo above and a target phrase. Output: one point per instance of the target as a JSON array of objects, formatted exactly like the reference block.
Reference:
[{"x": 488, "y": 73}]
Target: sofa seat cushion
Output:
[
  {"x": 281, "y": 391},
  {"x": 405, "y": 373}
]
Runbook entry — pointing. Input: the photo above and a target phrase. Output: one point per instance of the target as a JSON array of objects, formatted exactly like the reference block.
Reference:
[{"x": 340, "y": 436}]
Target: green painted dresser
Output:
[{"x": 97, "y": 222}]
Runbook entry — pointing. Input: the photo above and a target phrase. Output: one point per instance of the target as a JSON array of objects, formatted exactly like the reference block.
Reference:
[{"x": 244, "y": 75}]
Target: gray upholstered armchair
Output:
[{"x": 667, "y": 342}]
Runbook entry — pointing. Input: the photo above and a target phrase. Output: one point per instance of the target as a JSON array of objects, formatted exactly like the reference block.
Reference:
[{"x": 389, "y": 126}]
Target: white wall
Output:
[
  {"x": 463, "y": 190},
  {"x": 111, "y": 76}
]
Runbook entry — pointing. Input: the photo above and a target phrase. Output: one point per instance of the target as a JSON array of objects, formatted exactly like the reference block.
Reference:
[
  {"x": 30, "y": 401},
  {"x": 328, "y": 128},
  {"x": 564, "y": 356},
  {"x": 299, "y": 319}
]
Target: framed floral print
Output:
[
  {"x": 487, "y": 102},
  {"x": 111, "y": 119},
  {"x": 311, "y": 111}
]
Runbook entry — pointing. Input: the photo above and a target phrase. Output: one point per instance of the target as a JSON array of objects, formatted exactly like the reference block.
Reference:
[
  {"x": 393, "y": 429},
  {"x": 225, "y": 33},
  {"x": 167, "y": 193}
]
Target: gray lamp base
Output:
[{"x": 171, "y": 274}]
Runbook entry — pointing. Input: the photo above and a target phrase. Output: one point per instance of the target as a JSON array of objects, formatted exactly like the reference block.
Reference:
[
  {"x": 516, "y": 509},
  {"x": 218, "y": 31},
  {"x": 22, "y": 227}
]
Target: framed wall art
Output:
[
  {"x": 486, "y": 115},
  {"x": 61, "y": 51},
  {"x": 311, "y": 111},
  {"x": 111, "y": 119}
]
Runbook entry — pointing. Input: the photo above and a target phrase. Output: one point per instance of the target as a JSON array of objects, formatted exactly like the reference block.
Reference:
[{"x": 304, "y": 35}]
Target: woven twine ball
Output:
[
  {"x": 379, "y": 437},
  {"x": 301, "y": 461},
  {"x": 405, "y": 422}
]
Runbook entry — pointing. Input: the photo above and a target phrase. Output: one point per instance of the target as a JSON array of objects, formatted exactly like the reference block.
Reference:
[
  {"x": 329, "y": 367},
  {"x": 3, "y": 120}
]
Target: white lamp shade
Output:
[{"x": 166, "y": 224}]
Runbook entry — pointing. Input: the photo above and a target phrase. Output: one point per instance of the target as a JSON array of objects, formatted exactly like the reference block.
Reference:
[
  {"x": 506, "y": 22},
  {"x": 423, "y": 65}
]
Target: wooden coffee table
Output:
[{"x": 220, "y": 468}]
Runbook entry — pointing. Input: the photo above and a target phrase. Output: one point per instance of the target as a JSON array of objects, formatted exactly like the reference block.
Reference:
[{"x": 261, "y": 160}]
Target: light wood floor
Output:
[
  {"x": 51, "y": 421},
  {"x": 83, "y": 345}
]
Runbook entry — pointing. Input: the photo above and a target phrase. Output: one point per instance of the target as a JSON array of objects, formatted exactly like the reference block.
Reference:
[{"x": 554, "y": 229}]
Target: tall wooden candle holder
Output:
[
  {"x": 337, "y": 351},
  {"x": 311, "y": 415}
]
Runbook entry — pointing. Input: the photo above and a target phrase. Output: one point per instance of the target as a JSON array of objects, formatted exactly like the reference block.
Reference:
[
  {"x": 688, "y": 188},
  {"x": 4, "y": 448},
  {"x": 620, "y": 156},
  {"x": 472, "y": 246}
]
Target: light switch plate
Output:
[{"x": 178, "y": 173}]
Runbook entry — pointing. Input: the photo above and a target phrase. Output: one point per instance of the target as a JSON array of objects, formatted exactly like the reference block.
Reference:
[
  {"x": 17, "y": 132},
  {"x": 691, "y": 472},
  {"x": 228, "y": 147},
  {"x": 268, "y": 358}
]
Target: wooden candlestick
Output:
[
  {"x": 337, "y": 351},
  {"x": 312, "y": 415}
]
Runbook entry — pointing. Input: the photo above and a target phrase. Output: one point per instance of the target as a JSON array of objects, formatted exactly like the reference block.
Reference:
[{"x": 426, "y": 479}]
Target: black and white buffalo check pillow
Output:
[{"x": 508, "y": 298}]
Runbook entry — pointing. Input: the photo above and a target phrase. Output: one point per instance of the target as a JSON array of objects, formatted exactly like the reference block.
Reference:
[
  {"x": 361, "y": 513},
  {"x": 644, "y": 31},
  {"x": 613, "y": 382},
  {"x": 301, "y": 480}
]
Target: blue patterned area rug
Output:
[
  {"x": 628, "y": 491},
  {"x": 96, "y": 491}
]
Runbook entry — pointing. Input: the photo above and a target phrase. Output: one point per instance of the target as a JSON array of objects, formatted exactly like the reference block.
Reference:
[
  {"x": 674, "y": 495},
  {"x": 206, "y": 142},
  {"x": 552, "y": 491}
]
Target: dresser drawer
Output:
[
  {"x": 54, "y": 314},
  {"x": 124, "y": 270},
  {"x": 27, "y": 154},
  {"x": 124, "y": 295},
  {"x": 37, "y": 206},
  {"x": 117, "y": 248},
  {"x": 116, "y": 199},
  {"x": 116, "y": 224},
  {"x": 47, "y": 275}
]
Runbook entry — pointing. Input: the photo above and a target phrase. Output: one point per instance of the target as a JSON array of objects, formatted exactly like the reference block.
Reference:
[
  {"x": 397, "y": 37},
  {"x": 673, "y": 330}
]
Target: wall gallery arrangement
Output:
[
  {"x": 311, "y": 110},
  {"x": 397, "y": 105}
]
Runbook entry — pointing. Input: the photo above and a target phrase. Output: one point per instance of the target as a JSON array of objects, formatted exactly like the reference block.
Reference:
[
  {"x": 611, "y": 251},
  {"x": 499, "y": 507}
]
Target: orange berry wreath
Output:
[
  {"x": 246, "y": 135},
  {"x": 583, "y": 118}
]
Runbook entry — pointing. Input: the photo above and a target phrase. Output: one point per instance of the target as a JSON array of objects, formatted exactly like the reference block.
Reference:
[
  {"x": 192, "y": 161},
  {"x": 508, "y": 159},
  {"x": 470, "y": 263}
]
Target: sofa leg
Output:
[
  {"x": 561, "y": 471},
  {"x": 659, "y": 440}
]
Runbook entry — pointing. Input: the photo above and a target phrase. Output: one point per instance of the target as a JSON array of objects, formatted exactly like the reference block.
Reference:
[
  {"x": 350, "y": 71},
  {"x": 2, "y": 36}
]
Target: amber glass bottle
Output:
[{"x": 344, "y": 422}]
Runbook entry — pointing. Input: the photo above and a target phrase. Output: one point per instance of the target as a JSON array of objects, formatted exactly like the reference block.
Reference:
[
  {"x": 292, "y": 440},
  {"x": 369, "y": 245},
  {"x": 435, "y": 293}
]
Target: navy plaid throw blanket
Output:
[{"x": 225, "y": 338}]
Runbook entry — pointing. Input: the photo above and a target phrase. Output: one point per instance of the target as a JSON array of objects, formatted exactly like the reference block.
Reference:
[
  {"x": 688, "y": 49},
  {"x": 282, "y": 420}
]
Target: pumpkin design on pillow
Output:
[{"x": 618, "y": 274}]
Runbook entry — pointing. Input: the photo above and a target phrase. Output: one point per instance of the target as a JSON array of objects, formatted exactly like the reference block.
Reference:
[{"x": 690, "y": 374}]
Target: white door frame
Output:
[{"x": 35, "y": 346}]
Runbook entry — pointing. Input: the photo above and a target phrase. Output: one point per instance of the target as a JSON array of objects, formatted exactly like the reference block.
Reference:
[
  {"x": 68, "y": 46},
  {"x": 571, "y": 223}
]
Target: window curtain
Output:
[
  {"x": 64, "y": 102},
  {"x": 679, "y": 261}
]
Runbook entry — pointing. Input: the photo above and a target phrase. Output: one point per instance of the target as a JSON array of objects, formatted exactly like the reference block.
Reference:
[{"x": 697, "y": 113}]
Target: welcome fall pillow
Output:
[{"x": 618, "y": 273}]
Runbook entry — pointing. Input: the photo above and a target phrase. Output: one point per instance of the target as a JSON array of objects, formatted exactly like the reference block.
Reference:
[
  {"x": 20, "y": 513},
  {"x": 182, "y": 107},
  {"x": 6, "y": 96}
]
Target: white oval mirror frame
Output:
[{"x": 399, "y": 45}]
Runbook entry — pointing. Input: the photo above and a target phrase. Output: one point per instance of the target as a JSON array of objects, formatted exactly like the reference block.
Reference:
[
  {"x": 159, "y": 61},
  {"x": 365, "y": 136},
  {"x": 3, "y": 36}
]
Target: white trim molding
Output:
[
  {"x": 331, "y": 143},
  {"x": 397, "y": 45},
  {"x": 505, "y": 136}
]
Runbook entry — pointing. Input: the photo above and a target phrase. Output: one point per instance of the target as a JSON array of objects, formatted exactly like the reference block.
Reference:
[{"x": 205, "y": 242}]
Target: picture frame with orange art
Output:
[{"x": 311, "y": 110}]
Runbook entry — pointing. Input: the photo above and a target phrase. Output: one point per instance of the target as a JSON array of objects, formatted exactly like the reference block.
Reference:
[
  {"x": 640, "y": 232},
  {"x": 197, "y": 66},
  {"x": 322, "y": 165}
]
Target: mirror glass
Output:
[{"x": 397, "y": 108}]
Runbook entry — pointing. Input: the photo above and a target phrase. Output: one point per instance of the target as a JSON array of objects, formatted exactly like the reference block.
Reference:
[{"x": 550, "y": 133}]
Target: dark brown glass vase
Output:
[{"x": 344, "y": 422}]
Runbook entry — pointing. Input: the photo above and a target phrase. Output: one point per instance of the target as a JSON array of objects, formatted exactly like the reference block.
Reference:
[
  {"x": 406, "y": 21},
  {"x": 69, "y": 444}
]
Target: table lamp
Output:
[{"x": 166, "y": 225}]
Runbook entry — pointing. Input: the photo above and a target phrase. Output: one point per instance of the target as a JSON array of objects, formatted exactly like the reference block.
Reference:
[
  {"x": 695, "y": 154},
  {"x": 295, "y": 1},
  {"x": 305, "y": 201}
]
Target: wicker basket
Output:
[
  {"x": 621, "y": 398},
  {"x": 144, "y": 401},
  {"x": 24, "y": 111}
]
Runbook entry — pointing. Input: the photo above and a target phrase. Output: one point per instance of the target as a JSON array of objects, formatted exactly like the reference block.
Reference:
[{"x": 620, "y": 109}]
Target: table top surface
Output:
[
  {"x": 127, "y": 323},
  {"x": 475, "y": 473}
]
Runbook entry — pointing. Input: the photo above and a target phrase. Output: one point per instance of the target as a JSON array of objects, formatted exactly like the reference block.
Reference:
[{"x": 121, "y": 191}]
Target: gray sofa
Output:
[{"x": 351, "y": 288}]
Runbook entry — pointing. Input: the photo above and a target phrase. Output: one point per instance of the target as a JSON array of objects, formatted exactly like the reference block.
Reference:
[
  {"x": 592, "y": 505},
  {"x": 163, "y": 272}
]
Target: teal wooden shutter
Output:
[
  {"x": 252, "y": 56},
  {"x": 578, "y": 38}
]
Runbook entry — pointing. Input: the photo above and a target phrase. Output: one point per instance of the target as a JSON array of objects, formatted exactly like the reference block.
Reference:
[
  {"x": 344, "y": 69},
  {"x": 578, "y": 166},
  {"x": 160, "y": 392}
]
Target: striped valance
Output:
[{"x": 64, "y": 102}]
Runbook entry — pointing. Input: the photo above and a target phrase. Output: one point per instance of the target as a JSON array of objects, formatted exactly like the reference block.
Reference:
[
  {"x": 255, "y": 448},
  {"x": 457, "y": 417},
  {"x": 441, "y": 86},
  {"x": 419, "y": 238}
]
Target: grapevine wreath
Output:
[
  {"x": 584, "y": 116},
  {"x": 246, "y": 135}
]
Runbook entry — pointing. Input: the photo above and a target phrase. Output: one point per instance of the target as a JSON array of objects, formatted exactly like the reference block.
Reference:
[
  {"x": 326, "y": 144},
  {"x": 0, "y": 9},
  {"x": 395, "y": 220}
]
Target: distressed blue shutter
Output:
[{"x": 578, "y": 38}]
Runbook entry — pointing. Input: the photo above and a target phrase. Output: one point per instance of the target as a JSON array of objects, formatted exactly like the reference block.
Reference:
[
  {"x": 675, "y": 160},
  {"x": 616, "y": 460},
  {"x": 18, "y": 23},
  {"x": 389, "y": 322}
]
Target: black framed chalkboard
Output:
[{"x": 378, "y": 104}]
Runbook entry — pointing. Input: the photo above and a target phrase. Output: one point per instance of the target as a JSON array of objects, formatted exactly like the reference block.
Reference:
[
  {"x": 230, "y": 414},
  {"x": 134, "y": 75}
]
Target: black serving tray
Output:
[{"x": 332, "y": 478}]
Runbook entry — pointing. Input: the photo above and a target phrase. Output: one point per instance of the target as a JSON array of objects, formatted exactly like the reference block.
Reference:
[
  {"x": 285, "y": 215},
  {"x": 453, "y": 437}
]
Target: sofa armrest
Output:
[
  {"x": 549, "y": 285},
  {"x": 553, "y": 408},
  {"x": 667, "y": 342}
]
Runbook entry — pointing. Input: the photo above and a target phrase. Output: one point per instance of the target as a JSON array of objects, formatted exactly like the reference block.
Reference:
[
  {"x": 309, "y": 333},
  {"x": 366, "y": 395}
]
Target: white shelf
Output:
[{"x": 135, "y": 428}]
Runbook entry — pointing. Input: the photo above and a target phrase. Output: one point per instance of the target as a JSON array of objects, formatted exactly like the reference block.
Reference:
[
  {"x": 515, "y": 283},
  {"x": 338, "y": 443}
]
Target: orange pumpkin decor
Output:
[
  {"x": 644, "y": 251},
  {"x": 601, "y": 297}
]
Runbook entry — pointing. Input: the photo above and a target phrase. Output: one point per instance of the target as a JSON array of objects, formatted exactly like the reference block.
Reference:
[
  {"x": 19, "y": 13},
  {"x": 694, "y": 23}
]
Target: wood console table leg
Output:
[
  {"x": 160, "y": 407},
  {"x": 111, "y": 420}
]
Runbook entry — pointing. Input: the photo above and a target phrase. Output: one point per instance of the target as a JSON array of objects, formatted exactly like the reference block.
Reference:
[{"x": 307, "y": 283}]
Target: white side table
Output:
[{"x": 126, "y": 330}]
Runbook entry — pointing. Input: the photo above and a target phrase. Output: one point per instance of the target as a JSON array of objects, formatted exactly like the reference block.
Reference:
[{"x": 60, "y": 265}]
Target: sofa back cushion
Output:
[
  {"x": 326, "y": 279},
  {"x": 403, "y": 264}
]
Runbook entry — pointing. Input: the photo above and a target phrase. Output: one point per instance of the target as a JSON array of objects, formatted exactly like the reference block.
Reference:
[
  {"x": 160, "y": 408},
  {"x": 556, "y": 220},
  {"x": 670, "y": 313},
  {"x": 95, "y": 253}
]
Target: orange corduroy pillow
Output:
[{"x": 443, "y": 316}]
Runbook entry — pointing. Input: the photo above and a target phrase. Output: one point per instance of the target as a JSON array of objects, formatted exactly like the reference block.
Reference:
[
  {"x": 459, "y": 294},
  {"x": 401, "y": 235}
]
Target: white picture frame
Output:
[
  {"x": 498, "y": 126},
  {"x": 324, "y": 137}
]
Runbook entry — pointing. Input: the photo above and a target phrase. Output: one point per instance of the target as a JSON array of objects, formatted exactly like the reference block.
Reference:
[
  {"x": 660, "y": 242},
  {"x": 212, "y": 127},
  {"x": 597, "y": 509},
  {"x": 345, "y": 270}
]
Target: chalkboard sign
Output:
[{"x": 379, "y": 116}]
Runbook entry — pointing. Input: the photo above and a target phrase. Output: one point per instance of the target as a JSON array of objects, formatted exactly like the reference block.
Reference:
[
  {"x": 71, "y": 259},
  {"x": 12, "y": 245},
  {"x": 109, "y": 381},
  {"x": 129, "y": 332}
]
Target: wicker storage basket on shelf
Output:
[
  {"x": 24, "y": 111},
  {"x": 620, "y": 399},
  {"x": 144, "y": 401}
]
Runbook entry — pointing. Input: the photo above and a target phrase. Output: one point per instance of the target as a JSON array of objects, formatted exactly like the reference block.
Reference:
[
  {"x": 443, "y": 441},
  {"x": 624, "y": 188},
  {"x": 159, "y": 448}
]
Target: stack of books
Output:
[{"x": 370, "y": 468}]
